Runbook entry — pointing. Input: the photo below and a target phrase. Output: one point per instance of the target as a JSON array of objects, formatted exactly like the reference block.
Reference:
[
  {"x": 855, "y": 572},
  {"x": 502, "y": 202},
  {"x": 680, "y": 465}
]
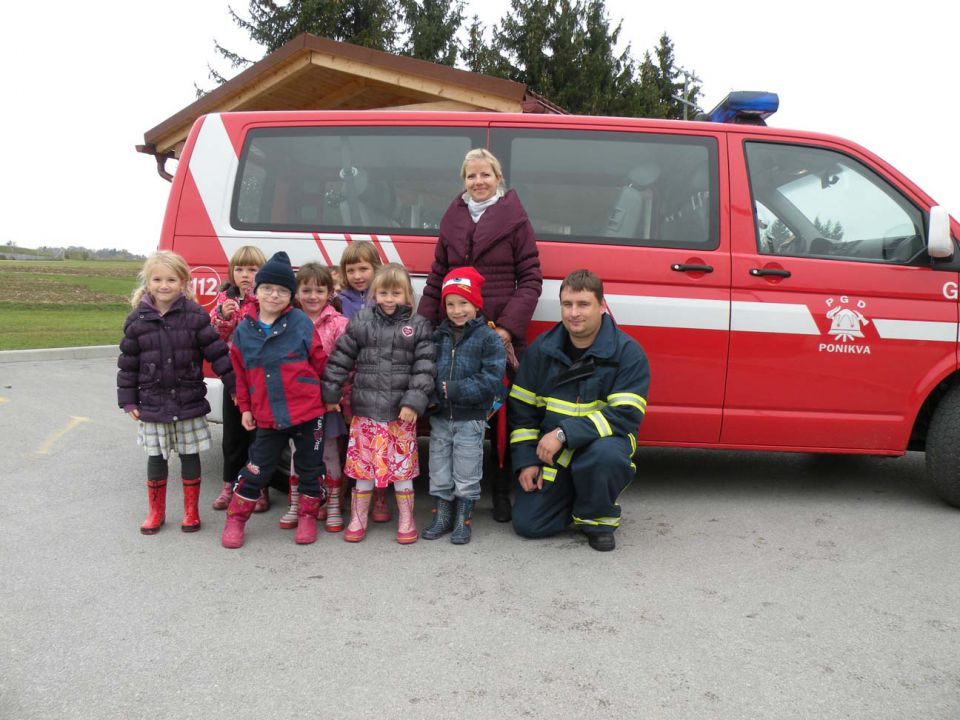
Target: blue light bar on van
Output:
[{"x": 745, "y": 107}]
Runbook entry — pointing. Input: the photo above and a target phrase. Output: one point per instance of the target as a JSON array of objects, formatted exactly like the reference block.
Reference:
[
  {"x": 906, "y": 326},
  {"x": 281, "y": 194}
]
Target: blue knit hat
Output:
[{"x": 276, "y": 271}]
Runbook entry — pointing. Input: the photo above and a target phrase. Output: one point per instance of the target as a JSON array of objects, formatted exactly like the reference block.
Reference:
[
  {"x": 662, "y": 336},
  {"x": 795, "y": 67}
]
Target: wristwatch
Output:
[{"x": 561, "y": 436}]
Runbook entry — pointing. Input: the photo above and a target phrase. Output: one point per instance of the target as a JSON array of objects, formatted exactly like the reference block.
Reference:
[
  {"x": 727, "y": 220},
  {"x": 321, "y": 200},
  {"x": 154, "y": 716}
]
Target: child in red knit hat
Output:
[{"x": 470, "y": 364}]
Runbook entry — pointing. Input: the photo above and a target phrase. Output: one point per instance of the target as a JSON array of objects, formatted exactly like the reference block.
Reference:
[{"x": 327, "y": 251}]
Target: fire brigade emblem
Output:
[
  {"x": 846, "y": 326},
  {"x": 846, "y": 319}
]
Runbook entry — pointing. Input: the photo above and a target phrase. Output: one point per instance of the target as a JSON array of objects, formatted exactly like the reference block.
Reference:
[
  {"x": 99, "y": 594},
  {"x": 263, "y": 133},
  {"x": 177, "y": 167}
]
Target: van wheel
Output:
[{"x": 943, "y": 448}]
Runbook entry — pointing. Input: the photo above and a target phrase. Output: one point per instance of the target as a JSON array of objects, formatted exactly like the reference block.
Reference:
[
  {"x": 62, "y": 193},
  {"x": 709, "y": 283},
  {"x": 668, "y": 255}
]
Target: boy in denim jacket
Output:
[{"x": 470, "y": 365}]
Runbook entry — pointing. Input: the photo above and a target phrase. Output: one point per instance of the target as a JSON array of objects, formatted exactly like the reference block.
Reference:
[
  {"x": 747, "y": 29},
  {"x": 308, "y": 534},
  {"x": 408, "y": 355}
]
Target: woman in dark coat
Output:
[{"x": 488, "y": 228}]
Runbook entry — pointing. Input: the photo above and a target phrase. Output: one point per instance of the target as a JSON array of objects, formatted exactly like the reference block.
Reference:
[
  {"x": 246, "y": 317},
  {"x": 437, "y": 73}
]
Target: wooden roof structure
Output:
[{"x": 314, "y": 73}]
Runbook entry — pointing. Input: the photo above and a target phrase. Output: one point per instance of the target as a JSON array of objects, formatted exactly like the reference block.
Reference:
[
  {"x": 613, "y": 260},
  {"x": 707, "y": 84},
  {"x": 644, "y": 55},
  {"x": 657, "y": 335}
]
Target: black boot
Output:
[
  {"x": 442, "y": 520},
  {"x": 463, "y": 521},
  {"x": 501, "y": 496}
]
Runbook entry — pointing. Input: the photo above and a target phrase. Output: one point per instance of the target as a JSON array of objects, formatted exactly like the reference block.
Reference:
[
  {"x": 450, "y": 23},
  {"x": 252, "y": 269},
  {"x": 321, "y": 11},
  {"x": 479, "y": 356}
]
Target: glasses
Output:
[{"x": 278, "y": 291}]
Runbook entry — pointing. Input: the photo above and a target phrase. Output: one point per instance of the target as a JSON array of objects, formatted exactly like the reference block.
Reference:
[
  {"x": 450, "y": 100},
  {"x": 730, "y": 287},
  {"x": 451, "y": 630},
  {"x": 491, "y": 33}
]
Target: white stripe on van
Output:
[
  {"x": 779, "y": 318},
  {"x": 645, "y": 310},
  {"x": 213, "y": 166},
  {"x": 916, "y": 330}
]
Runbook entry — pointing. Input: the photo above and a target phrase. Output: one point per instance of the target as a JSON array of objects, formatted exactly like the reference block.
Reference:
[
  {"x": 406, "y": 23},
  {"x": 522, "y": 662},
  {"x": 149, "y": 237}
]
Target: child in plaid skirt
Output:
[{"x": 160, "y": 382}]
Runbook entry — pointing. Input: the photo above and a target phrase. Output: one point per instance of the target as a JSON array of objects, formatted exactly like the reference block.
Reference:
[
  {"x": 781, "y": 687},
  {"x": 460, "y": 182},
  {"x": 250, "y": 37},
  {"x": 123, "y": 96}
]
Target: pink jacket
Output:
[
  {"x": 224, "y": 326},
  {"x": 329, "y": 327}
]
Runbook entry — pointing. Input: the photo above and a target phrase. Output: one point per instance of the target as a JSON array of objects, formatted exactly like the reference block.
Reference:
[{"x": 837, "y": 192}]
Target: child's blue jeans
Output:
[{"x": 456, "y": 458}]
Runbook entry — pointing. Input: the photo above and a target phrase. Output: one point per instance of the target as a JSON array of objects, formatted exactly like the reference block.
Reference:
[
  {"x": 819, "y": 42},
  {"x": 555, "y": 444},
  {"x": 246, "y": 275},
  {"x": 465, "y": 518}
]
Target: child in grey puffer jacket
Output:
[{"x": 393, "y": 353}]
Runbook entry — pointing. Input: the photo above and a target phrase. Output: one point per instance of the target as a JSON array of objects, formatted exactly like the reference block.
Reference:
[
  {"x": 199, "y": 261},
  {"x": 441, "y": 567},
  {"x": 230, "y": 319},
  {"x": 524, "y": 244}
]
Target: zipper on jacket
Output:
[{"x": 453, "y": 359}]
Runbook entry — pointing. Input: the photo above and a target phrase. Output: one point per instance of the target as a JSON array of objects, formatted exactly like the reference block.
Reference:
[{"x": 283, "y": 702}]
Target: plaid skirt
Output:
[
  {"x": 385, "y": 452},
  {"x": 184, "y": 437}
]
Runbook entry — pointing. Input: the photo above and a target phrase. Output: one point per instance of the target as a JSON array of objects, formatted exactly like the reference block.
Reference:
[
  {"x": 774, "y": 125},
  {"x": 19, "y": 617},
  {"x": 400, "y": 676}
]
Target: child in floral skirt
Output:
[{"x": 392, "y": 351}]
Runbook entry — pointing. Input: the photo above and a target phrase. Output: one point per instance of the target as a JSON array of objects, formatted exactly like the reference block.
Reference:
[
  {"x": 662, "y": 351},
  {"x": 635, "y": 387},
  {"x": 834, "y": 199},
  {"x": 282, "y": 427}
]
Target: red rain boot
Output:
[
  {"x": 191, "y": 505},
  {"x": 381, "y": 511},
  {"x": 406, "y": 525},
  {"x": 263, "y": 502},
  {"x": 157, "y": 499},
  {"x": 359, "y": 507},
  {"x": 238, "y": 513},
  {"x": 223, "y": 499},
  {"x": 307, "y": 521}
]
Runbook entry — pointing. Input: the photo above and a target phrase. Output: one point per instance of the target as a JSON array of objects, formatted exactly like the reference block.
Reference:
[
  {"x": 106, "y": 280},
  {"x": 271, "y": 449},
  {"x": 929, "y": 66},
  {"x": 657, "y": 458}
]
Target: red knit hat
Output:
[{"x": 465, "y": 282}]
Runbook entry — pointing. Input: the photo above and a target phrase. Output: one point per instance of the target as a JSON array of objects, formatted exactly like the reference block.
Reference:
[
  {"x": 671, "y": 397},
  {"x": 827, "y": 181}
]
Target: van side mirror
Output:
[{"x": 939, "y": 242}]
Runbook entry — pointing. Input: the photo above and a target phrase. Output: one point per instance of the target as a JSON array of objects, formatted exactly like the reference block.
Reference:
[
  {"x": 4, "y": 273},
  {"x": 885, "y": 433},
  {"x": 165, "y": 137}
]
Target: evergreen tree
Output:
[
  {"x": 523, "y": 38},
  {"x": 432, "y": 27},
  {"x": 370, "y": 23},
  {"x": 477, "y": 54},
  {"x": 669, "y": 85},
  {"x": 566, "y": 51}
]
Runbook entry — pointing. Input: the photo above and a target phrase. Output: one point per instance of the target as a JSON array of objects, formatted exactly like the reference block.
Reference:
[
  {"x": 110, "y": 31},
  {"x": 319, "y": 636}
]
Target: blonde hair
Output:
[
  {"x": 486, "y": 155},
  {"x": 393, "y": 276},
  {"x": 246, "y": 255},
  {"x": 358, "y": 252},
  {"x": 169, "y": 260}
]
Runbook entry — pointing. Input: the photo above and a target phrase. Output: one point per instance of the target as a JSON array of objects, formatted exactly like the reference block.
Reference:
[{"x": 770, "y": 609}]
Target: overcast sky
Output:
[{"x": 84, "y": 81}]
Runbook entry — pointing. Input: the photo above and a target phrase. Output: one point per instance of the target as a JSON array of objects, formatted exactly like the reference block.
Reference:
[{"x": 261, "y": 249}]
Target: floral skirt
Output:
[{"x": 385, "y": 452}]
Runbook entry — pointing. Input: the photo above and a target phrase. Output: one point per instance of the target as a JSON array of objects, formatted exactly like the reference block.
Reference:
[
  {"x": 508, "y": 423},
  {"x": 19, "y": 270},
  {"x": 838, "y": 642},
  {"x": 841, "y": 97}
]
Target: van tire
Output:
[{"x": 943, "y": 448}]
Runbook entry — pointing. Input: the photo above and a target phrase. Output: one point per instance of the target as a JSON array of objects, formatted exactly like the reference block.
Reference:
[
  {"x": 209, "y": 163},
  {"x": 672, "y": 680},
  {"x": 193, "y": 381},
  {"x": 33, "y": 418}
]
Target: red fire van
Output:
[{"x": 792, "y": 290}]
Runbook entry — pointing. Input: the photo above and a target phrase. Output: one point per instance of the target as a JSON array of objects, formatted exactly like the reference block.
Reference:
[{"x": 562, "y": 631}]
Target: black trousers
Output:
[
  {"x": 267, "y": 448},
  {"x": 236, "y": 441}
]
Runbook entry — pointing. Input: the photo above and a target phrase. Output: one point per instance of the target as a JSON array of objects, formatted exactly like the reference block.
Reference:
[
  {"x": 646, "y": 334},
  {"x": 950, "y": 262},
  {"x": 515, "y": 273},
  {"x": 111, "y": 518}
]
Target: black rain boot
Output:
[
  {"x": 442, "y": 520},
  {"x": 501, "y": 496},
  {"x": 462, "y": 522}
]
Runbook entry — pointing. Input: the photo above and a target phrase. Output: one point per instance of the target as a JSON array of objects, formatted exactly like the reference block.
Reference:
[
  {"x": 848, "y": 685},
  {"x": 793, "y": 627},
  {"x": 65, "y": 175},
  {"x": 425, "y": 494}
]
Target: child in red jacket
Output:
[{"x": 278, "y": 361}]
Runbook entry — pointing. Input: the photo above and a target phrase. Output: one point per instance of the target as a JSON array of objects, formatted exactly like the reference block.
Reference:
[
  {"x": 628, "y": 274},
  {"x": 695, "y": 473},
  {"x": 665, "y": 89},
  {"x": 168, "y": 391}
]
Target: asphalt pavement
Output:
[{"x": 744, "y": 585}]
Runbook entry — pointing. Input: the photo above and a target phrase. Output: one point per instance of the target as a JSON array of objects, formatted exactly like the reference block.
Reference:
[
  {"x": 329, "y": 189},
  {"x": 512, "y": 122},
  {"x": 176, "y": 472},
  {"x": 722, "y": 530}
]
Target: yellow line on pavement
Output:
[
  {"x": 48, "y": 443},
  {"x": 4, "y": 400}
]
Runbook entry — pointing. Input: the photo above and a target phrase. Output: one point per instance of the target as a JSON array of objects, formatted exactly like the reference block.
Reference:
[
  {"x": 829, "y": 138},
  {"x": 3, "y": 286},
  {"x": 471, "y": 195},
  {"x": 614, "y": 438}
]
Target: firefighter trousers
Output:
[{"x": 584, "y": 493}]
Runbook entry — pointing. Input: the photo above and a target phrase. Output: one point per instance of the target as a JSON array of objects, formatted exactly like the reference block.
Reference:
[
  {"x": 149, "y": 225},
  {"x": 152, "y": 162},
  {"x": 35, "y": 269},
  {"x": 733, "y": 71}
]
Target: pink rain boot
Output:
[
  {"x": 238, "y": 513},
  {"x": 359, "y": 507},
  {"x": 406, "y": 525}
]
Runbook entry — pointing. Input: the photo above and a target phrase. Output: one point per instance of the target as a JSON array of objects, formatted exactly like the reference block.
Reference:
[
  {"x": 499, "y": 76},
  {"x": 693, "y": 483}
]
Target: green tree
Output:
[
  {"x": 432, "y": 26},
  {"x": 566, "y": 50},
  {"x": 662, "y": 88},
  {"x": 370, "y": 23},
  {"x": 477, "y": 54}
]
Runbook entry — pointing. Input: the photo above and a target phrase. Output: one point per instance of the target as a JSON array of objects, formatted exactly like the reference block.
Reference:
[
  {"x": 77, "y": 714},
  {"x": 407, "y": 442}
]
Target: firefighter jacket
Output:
[{"x": 603, "y": 394}]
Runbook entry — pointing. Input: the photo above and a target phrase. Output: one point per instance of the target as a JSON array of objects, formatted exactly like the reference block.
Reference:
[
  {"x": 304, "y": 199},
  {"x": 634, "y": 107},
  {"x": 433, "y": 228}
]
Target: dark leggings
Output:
[
  {"x": 236, "y": 441},
  {"x": 189, "y": 467}
]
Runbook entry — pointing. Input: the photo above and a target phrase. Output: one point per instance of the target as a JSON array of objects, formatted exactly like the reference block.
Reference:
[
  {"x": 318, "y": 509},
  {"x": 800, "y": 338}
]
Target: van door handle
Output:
[
  {"x": 760, "y": 272},
  {"x": 676, "y": 267}
]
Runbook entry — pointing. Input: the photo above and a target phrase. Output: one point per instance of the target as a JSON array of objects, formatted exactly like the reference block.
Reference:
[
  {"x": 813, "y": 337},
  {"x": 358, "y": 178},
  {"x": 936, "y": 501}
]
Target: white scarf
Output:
[{"x": 478, "y": 208}]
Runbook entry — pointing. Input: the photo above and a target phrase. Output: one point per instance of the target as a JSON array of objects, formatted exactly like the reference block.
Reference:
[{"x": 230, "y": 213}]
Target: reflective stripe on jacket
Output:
[{"x": 601, "y": 395}]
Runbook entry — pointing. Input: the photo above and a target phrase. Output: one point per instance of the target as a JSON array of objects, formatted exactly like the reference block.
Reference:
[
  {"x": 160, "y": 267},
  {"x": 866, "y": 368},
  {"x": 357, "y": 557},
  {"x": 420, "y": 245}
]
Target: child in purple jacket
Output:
[{"x": 160, "y": 382}]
